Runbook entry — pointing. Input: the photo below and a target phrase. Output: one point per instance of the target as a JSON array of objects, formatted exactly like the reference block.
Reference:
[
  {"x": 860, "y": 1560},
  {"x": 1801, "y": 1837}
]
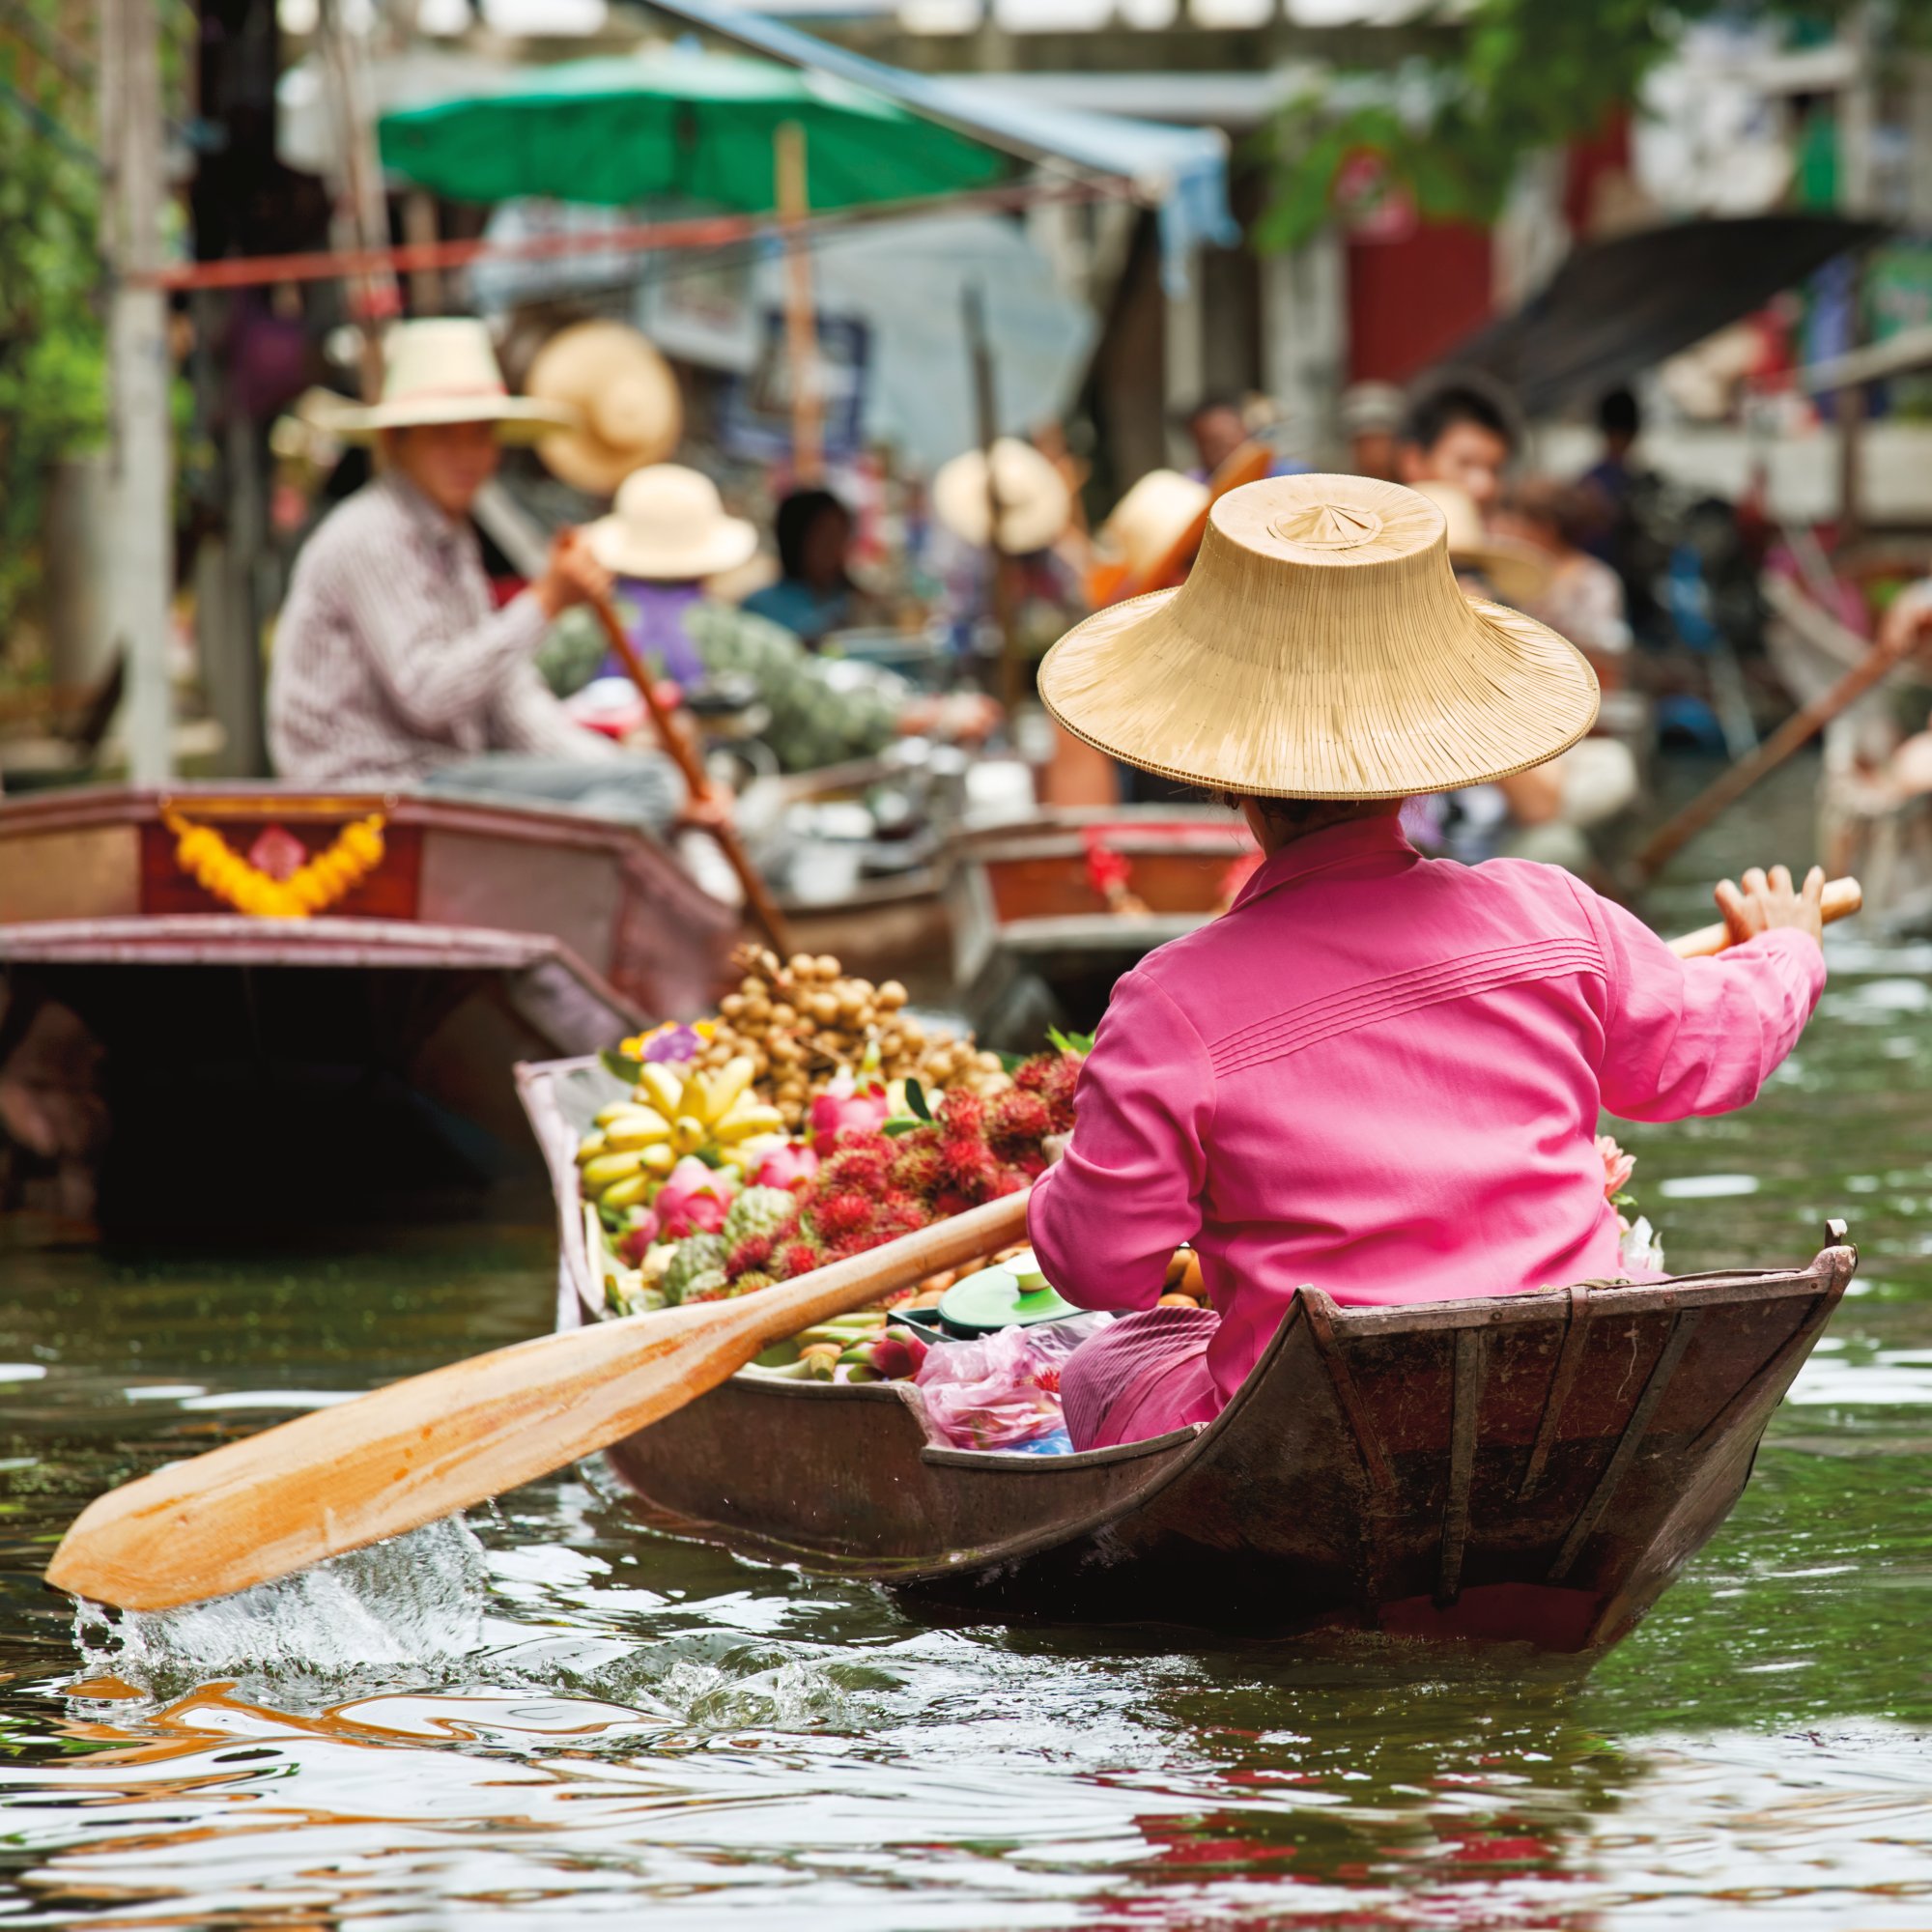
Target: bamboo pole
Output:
[
  {"x": 807, "y": 404},
  {"x": 1001, "y": 589}
]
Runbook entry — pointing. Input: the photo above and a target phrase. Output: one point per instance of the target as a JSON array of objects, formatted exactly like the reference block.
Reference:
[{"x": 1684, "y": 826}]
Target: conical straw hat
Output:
[
  {"x": 1151, "y": 518},
  {"x": 670, "y": 527},
  {"x": 1320, "y": 649},
  {"x": 443, "y": 369},
  {"x": 1035, "y": 502},
  {"x": 1518, "y": 572},
  {"x": 623, "y": 394}
]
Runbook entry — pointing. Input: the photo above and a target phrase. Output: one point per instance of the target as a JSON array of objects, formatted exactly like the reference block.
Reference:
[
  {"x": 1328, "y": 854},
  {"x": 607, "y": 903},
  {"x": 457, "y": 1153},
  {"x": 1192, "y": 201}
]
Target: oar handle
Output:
[
  {"x": 757, "y": 894},
  {"x": 1842, "y": 898}
]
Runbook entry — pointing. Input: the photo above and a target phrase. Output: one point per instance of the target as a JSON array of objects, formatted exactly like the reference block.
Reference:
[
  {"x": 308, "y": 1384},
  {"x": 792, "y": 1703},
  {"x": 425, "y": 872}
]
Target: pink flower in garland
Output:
[
  {"x": 1618, "y": 1165},
  {"x": 693, "y": 1200}
]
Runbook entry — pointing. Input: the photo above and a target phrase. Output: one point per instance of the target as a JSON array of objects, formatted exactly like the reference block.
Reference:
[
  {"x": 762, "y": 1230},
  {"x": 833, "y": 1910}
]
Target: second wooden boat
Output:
[{"x": 1532, "y": 1469}]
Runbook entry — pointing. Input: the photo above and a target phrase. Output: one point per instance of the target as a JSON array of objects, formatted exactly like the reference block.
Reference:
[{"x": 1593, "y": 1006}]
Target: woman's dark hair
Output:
[
  {"x": 1617, "y": 413},
  {"x": 793, "y": 524},
  {"x": 1297, "y": 817}
]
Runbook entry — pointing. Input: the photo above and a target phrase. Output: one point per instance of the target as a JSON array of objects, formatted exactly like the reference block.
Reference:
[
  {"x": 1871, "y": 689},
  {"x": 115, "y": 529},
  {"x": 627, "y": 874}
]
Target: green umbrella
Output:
[{"x": 678, "y": 121}]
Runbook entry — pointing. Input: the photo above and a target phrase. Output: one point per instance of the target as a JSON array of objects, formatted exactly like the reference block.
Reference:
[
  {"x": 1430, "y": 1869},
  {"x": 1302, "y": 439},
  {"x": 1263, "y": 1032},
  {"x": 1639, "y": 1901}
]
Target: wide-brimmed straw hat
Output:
[
  {"x": 623, "y": 395},
  {"x": 1158, "y": 513},
  {"x": 1321, "y": 649},
  {"x": 1517, "y": 572},
  {"x": 442, "y": 369},
  {"x": 1035, "y": 502},
  {"x": 669, "y": 525}
]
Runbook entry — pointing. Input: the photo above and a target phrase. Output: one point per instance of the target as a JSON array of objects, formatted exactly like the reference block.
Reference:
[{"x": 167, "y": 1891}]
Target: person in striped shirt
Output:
[{"x": 392, "y": 669}]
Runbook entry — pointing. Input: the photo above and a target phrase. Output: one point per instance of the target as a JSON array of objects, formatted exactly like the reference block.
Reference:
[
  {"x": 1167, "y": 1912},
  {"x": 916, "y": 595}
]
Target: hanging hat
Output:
[
  {"x": 1367, "y": 407},
  {"x": 1321, "y": 649},
  {"x": 1035, "y": 502},
  {"x": 442, "y": 369},
  {"x": 1517, "y": 572},
  {"x": 669, "y": 525},
  {"x": 1151, "y": 518},
  {"x": 623, "y": 396}
]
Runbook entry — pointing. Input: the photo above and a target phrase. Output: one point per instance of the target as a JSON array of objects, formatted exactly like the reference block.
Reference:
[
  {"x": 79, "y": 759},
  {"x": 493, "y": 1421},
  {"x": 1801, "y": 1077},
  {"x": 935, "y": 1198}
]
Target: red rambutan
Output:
[
  {"x": 752, "y": 1252},
  {"x": 969, "y": 1165},
  {"x": 962, "y": 1114},
  {"x": 951, "y": 1201},
  {"x": 835, "y": 1215},
  {"x": 1017, "y": 1116},
  {"x": 916, "y": 1168},
  {"x": 794, "y": 1258},
  {"x": 861, "y": 1164}
]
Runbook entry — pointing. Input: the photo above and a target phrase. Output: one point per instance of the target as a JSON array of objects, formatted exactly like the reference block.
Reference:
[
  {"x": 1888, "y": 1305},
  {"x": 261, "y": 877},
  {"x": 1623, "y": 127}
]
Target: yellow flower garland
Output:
[{"x": 203, "y": 855}]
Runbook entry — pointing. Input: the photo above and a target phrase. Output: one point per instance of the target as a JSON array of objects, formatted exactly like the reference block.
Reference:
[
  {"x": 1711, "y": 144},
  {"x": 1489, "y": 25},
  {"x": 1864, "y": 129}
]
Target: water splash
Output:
[{"x": 405, "y": 1609}]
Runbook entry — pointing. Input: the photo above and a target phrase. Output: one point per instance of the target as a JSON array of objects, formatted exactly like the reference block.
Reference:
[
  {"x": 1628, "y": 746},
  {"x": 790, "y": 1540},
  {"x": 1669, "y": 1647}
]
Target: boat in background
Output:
[
  {"x": 1047, "y": 915},
  {"x": 1523, "y": 1468},
  {"x": 170, "y": 1036}
]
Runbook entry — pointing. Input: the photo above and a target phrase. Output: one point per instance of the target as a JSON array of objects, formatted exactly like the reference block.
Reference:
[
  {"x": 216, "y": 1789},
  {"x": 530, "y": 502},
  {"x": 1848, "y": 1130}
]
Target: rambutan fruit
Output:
[
  {"x": 795, "y": 1259},
  {"x": 1017, "y": 1116},
  {"x": 752, "y": 1252},
  {"x": 916, "y": 1168},
  {"x": 962, "y": 1114},
  {"x": 951, "y": 1201},
  {"x": 968, "y": 1165},
  {"x": 861, "y": 1164},
  {"x": 838, "y": 1214}
]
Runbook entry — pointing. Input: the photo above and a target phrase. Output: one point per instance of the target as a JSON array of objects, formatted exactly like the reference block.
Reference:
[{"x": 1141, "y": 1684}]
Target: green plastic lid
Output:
[{"x": 1014, "y": 1294}]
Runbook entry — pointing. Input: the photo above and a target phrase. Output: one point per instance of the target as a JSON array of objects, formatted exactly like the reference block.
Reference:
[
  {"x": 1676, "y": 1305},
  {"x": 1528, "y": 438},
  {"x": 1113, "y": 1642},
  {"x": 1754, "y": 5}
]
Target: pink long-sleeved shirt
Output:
[{"x": 1382, "y": 1074}]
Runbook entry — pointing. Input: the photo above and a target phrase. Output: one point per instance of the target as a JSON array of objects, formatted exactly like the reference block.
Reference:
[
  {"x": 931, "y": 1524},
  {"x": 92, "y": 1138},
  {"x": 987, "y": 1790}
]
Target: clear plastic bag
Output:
[{"x": 1002, "y": 1391}]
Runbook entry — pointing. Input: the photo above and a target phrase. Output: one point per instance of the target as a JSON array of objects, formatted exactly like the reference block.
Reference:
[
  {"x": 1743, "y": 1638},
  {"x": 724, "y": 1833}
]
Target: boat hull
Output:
[{"x": 1530, "y": 1469}]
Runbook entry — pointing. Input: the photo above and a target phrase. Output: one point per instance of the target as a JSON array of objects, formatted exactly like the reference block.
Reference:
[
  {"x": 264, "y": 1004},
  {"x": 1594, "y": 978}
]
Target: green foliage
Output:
[
  {"x": 1452, "y": 129},
  {"x": 51, "y": 351}
]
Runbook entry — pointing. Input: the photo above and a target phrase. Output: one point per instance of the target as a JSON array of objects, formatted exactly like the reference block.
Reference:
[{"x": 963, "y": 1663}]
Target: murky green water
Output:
[{"x": 562, "y": 1717}]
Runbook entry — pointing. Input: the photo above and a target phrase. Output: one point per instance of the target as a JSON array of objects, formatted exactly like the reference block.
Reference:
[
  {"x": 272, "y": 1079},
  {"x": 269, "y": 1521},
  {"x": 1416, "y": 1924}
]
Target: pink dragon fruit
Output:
[
  {"x": 693, "y": 1200},
  {"x": 787, "y": 1166},
  {"x": 846, "y": 1107}
]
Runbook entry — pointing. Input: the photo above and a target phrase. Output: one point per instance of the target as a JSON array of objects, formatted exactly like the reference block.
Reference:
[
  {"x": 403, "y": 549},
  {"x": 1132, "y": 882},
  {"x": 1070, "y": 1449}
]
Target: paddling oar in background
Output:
[
  {"x": 403, "y": 1455},
  {"x": 757, "y": 894},
  {"x": 1797, "y": 732}
]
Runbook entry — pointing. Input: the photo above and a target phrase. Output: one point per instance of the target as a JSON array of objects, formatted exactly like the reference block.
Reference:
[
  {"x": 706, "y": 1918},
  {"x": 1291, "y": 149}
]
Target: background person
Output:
[
  {"x": 392, "y": 666},
  {"x": 815, "y": 594},
  {"x": 1457, "y": 434}
]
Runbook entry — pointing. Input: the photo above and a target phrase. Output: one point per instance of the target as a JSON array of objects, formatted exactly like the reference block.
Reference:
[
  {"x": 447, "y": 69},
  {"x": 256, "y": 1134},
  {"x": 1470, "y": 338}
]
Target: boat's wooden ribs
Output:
[
  {"x": 1778, "y": 1371},
  {"x": 1562, "y": 1379},
  {"x": 1472, "y": 1363},
  {"x": 1320, "y": 1311},
  {"x": 1628, "y": 1442}
]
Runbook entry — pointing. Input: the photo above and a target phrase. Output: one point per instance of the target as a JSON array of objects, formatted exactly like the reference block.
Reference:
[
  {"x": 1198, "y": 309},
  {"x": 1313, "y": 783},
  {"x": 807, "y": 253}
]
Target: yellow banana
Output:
[
  {"x": 657, "y": 1160},
  {"x": 608, "y": 1168},
  {"x": 724, "y": 1090},
  {"x": 637, "y": 1128},
  {"x": 610, "y": 1110},
  {"x": 745, "y": 1119},
  {"x": 688, "y": 1133},
  {"x": 625, "y": 1193},
  {"x": 588, "y": 1148},
  {"x": 662, "y": 1089}
]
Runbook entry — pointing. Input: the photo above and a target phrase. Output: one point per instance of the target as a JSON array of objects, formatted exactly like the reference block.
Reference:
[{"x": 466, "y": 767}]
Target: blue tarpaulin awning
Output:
[{"x": 1179, "y": 172}]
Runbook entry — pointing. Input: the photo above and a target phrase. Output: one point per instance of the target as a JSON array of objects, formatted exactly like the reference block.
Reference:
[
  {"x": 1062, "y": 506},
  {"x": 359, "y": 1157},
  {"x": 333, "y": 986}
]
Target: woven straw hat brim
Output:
[
  {"x": 620, "y": 547},
  {"x": 581, "y": 365},
  {"x": 1411, "y": 716},
  {"x": 517, "y": 418},
  {"x": 1518, "y": 573}
]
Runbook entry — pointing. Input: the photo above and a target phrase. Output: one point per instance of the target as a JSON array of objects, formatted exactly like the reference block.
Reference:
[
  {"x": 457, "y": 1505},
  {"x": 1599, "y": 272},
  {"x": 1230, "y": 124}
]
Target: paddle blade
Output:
[{"x": 403, "y": 1455}]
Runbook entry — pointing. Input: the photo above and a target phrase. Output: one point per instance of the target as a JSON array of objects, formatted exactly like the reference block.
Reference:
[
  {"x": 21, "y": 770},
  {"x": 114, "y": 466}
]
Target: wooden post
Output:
[
  {"x": 419, "y": 230},
  {"x": 361, "y": 218},
  {"x": 807, "y": 404},
  {"x": 1000, "y": 584},
  {"x": 140, "y": 557}
]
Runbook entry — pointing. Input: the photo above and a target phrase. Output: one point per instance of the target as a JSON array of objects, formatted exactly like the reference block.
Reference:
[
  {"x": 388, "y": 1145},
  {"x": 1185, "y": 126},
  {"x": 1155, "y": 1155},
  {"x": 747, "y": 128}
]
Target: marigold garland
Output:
[{"x": 205, "y": 855}]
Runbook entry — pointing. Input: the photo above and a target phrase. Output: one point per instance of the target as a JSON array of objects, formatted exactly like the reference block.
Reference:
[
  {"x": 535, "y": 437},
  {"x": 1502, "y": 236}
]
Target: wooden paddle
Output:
[
  {"x": 406, "y": 1455},
  {"x": 757, "y": 894}
]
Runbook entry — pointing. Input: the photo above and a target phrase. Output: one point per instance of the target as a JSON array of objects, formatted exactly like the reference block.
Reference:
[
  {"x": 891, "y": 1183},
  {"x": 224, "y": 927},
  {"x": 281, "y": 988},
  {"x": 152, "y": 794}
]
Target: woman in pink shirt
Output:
[{"x": 1377, "y": 1073}]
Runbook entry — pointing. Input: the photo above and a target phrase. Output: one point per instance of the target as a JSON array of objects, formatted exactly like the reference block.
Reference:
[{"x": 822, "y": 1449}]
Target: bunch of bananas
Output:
[{"x": 671, "y": 1113}]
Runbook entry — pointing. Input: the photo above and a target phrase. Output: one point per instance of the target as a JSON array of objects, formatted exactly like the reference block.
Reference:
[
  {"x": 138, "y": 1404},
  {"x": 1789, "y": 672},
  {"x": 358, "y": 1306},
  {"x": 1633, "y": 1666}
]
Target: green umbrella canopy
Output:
[{"x": 678, "y": 121}]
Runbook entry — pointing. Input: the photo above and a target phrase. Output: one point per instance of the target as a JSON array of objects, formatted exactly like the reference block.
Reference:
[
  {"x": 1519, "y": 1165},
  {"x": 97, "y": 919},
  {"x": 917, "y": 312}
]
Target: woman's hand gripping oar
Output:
[
  {"x": 757, "y": 894},
  {"x": 406, "y": 1455}
]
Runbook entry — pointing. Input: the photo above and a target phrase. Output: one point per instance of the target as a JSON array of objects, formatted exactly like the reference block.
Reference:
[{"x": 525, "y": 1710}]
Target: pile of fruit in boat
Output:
[{"x": 740, "y": 1158}]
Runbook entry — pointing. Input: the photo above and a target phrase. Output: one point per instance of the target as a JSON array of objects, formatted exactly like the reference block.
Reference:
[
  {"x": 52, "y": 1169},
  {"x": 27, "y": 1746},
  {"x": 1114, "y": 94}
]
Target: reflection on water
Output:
[{"x": 544, "y": 1714}]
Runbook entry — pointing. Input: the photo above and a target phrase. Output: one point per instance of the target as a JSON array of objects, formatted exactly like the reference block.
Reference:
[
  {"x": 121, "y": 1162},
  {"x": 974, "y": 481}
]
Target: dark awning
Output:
[{"x": 1620, "y": 306}]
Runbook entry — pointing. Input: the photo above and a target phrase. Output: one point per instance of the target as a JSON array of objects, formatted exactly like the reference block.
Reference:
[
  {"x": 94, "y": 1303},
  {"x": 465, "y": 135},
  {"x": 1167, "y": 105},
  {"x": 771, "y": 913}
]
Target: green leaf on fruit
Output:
[
  {"x": 1012, "y": 1062},
  {"x": 630, "y": 1071},
  {"x": 916, "y": 1099},
  {"x": 1080, "y": 1044},
  {"x": 901, "y": 1123}
]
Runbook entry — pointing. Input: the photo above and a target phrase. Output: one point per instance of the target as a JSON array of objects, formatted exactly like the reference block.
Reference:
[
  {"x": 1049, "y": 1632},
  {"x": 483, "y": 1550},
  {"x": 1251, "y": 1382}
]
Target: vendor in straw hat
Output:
[
  {"x": 392, "y": 667},
  {"x": 1377, "y": 1073}
]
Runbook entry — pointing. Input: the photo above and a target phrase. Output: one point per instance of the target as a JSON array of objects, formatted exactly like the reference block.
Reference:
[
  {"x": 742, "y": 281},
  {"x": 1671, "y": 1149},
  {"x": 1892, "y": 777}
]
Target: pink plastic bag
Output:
[{"x": 1002, "y": 1391}]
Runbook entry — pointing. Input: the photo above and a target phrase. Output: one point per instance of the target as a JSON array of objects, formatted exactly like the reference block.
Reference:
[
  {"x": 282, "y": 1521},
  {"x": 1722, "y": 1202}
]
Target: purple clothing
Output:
[
  {"x": 657, "y": 630},
  {"x": 1383, "y": 1074}
]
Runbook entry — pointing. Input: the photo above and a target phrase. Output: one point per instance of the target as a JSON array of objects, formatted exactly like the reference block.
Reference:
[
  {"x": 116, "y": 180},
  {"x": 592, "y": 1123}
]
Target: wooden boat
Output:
[
  {"x": 1530, "y": 1468},
  {"x": 371, "y": 1043},
  {"x": 1049, "y": 915}
]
